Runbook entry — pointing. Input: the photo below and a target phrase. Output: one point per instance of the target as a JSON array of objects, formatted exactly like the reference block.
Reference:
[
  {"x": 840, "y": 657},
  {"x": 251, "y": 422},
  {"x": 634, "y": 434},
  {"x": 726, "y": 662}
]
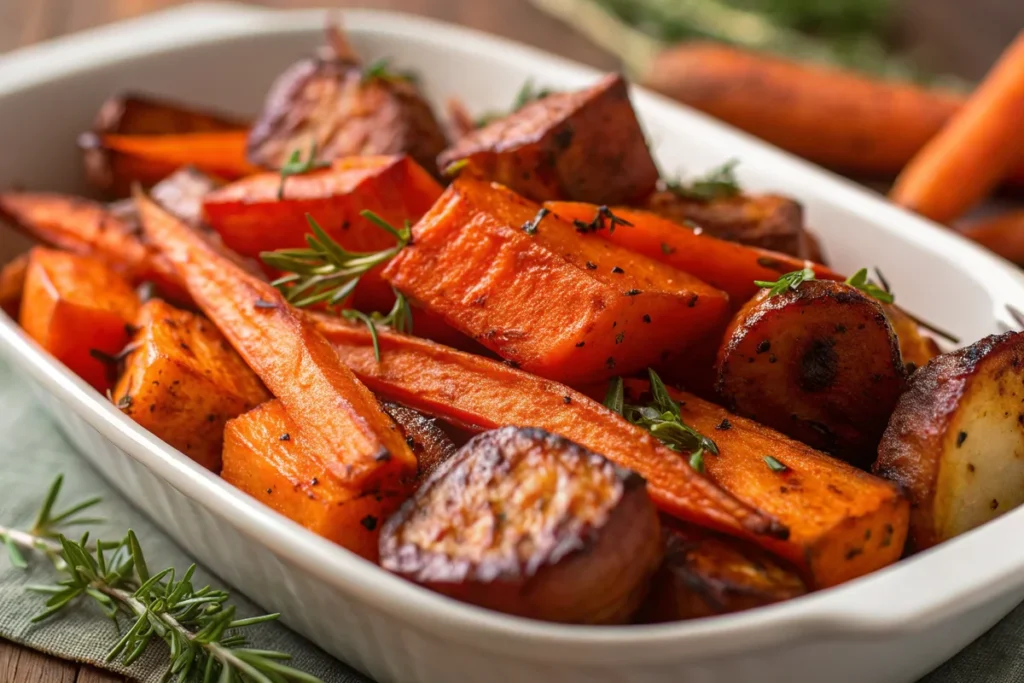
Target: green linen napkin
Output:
[{"x": 32, "y": 452}]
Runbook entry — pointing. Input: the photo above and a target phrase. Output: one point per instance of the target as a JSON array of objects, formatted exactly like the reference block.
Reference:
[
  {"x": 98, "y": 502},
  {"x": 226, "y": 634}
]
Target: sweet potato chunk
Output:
[
  {"x": 528, "y": 523},
  {"x": 765, "y": 221},
  {"x": 582, "y": 146},
  {"x": 78, "y": 309},
  {"x": 266, "y": 456},
  {"x": 955, "y": 442},
  {"x": 820, "y": 363},
  {"x": 478, "y": 394},
  {"x": 528, "y": 286},
  {"x": 333, "y": 103},
  {"x": 704, "y": 574},
  {"x": 12, "y": 285},
  {"x": 429, "y": 443},
  {"x": 843, "y": 523},
  {"x": 183, "y": 381}
]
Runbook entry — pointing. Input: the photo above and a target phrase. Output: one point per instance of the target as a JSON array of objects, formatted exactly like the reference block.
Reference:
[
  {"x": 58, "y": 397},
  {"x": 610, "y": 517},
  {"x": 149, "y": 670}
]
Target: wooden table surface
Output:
[{"x": 952, "y": 35}]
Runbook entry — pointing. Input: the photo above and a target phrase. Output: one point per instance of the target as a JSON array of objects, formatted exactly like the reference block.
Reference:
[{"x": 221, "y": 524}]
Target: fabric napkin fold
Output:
[{"x": 33, "y": 452}]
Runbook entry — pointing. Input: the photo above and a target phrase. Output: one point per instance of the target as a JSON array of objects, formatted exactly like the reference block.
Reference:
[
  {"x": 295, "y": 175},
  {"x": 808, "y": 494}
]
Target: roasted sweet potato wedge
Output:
[
  {"x": 843, "y": 523},
  {"x": 584, "y": 146},
  {"x": 477, "y": 394},
  {"x": 528, "y": 523},
  {"x": 704, "y": 574},
  {"x": 183, "y": 382},
  {"x": 334, "y": 105},
  {"x": 12, "y": 285},
  {"x": 337, "y": 416},
  {"x": 916, "y": 347},
  {"x": 142, "y": 115},
  {"x": 266, "y": 456},
  {"x": 820, "y": 363},
  {"x": 729, "y": 266},
  {"x": 79, "y": 310},
  {"x": 955, "y": 442},
  {"x": 528, "y": 286},
  {"x": 429, "y": 443},
  {"x": 765, "y": 221}
]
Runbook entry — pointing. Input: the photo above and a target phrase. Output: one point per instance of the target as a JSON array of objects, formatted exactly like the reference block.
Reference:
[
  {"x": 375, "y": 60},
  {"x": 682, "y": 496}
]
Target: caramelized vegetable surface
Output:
[
  {"x": 530, "y": 287},
  {"x": 12, "y": 285},
  {"x": 820, "y": 363},
  {"x": 528, "y": 523},
  {"x": 429, "y": 443},
  {"x": 78, "y": 309},
  {"x": 582, "y": 146},
  {"x": 182, "y": 381},
  {"x": 955, "y": 442}
]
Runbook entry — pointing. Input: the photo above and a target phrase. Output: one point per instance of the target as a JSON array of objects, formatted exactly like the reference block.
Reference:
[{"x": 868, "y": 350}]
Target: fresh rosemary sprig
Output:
[
  {"x": 527, "y": 93},
  {"x": 198, "y": 625},
  {"x": 787, "y": 282},
  {"x": 718, "y": 183},
  {"x": 661, "y": 417},
  {"x": 297, "y": 166},
  {"x": 399, "y": 319},
  {"x": 380, "y": 69},
  {"x": 860, "y": 281}
]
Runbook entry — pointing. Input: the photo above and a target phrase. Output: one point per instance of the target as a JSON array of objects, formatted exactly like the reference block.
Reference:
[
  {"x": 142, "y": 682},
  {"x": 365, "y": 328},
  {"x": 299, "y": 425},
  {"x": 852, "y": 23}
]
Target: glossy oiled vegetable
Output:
[
  {"x": 336, "y": 415},
  {"x": 820, "y": 363},
  {"x": 704, "y": 574},
  {"x": 731, "y": 267},
  {"x": 429, "y": 443},
  {"x": 843, "y": 523},
  {"x": 955, "y": 442},
  {"x": 583, "y": 146},
  {"x": 12, "y": 284},
  {"x": 478, "y": 394},
  {"x": 531, "y": 524},
  {"x": 77, "y": 308},
  {"x": 916, "y": 347},
  {"x": 183, "y": 381},
  {"x": 560, "y": 304}
]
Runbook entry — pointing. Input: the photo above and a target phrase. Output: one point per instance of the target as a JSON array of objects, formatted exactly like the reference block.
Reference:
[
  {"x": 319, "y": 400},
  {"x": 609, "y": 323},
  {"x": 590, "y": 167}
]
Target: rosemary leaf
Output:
[
  {"x": 718, "y": 183},
  {"x": 788, "y": 282}
]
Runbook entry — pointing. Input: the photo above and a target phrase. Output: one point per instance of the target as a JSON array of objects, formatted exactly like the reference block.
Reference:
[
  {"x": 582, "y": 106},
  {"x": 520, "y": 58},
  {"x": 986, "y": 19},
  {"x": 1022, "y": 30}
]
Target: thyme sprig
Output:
[
  {"x": 718, "y": 183},
  {"x": 199, "y": 626},
  {"x": 859, "y": 280},
  {"x": 788, "y": 282},
  {"x": 296, "y": 165},
  {"x": 661, "y": 417},
  {"x": 380, "y": 69}
]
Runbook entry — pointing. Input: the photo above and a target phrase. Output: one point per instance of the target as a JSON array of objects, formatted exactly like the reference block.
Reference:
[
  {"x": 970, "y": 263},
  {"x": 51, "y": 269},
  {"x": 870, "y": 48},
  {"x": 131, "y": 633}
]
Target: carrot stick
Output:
[
  {"x": 337, "y": 416},
  {"x": 974, "y": 151},
  {"x": 479, "y": 394},
  {"x": 1003, "y": 234}
]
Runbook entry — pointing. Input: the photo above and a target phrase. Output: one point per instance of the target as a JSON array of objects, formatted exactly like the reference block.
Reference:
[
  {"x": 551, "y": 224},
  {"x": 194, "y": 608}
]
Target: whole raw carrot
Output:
[
  {"x": 975, "y": 150},
  {"x": 1003, "y": 234}
]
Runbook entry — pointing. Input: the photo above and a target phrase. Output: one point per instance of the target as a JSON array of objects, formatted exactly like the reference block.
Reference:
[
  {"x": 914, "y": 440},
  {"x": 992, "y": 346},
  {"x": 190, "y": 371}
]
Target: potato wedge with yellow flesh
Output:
[
  {"x": 528, "y": 523},
  {"x": 12, "y": 285},
  {"x": 704, "y": 574},
  {"x": 916, "y": 347},
  {"x": 820, "y": 363},
  {"x": 955, "y": 442},
  {"x": 183, "y": 381},
  {"x": 584, "y": 146}
]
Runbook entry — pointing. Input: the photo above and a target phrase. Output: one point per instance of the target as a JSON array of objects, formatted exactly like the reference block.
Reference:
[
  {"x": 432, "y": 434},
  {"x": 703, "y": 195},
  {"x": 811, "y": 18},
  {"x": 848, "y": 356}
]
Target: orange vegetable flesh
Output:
[
  {"x": 220, "y": 153},
  {"x": 335, "y": 414},
  {"x": 560, "y": 304},
  {"x": 12, "y": 285},
  {"x": 480, "y": 394},
  {"x": 75, "y": 306}
]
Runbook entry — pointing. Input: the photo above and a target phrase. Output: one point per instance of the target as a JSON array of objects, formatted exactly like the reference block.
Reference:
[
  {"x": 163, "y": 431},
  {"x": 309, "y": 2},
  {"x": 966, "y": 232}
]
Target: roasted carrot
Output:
[
  {"x": 728, "y": 266},
  {"x": 12, "y": 284},
  {"x": 336, "y": 415},
  {"x": 79, "y": 310},
  {"x": 479, "y": 394},
  {"x": 974, "y": 151},
  {"x": 528, "y": 286},
  {"x": 1003, "y": 234},
  {"x": 843, "y": 523}
]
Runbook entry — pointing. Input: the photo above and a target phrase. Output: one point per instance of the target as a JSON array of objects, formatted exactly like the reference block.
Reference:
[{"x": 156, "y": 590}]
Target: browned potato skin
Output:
[
  {"x": 429, "y": 443},
  {"x": 183, "y": 382},
  {"x": 821, "y": 364},
  {"x": 705, "y": 574},
  {"x": 180, "y": 193},
  {"x": 328, "y": 101},
  {"x": 577, "y": 542},
  {"x": 930, "y": 433},
  {"x": 766, "y": 221},
  {"x": 916, "y": 347},
  {"x": 582, "y": 146}
]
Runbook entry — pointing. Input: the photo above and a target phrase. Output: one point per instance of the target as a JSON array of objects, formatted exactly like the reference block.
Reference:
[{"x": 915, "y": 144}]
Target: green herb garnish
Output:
[
  {"x": 381, "y": 70},
  {"x": 453, "y": 169},
  {"x": 399, "y": 319},
  {"x": 787, "y": 282},
  {"x": 297, "y": 166},
  {"x": 718, "y": 183},
  {"x": 527, "y": 93},
  {"x": 774, "y": 465},
  {"x": 860, "y": 281}
]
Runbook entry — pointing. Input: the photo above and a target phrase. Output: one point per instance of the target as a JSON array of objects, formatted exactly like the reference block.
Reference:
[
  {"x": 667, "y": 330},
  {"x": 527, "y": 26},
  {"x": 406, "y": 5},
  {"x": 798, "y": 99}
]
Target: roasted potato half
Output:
[
  {"x": 705, "y": 574},
  {"x": 820, "y": 363},
  {"x": 429, "y": 443},
  {"x": 955, "y": 442},
  {"x": 531, "y": 524},
  {"x": 582, "y": 146},
  {"x": 916, "y": 347}
]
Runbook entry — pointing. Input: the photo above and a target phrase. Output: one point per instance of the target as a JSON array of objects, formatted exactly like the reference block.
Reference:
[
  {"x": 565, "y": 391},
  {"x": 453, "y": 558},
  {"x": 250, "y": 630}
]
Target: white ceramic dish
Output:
[{"x": 892, "y": 626}]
